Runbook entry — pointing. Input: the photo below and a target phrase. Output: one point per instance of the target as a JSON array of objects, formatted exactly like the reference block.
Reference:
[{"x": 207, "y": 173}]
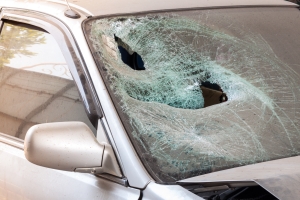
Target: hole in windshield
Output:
[
  {"x": 130, "y": 58},
  {"x": 211, "y": 92},
  {"x": 192, "y": 55}
]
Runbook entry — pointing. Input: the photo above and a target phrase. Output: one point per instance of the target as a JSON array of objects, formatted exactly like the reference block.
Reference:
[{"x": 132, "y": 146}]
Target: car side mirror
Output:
[{"x": 69, "y": 146}]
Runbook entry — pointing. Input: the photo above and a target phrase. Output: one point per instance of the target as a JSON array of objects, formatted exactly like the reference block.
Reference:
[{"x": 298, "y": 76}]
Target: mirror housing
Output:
[{"x": 69, "y": 146}]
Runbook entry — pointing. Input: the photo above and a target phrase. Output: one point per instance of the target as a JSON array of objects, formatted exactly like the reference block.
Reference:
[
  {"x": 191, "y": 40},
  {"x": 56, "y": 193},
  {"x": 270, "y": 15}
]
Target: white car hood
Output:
[{"x": 279, "y": 177}]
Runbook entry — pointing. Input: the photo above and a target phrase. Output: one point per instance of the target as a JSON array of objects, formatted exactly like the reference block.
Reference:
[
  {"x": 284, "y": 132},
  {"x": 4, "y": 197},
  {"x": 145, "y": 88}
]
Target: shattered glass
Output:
[{"x": 162, "y": 107}]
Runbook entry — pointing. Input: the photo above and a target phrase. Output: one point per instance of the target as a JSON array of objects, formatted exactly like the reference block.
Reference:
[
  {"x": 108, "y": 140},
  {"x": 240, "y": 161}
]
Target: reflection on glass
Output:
[{"x": 35, "y": 83}]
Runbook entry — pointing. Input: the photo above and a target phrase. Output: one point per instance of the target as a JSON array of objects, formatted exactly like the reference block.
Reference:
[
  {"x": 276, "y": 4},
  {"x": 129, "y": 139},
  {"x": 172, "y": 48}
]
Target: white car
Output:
[{"x": 149, "y": 99}]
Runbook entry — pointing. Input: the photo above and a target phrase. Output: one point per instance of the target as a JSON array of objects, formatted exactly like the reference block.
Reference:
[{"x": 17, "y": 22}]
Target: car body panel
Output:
[
  {"x": 282, "y": 186},
  {"x": 13, "y": 141},
  {"x": 20, "y": 179},
  {"x": 109, "y": 7},
  {"x": 168, "y": 192},
  {"x": 252, "y": 172},
  {"x": 271, "y": 175}
]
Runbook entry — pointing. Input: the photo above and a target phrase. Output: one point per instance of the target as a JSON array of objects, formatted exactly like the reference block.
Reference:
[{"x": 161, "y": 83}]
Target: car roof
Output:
[
  {"x": 108, "y": 7},
  {"x": 130, "y": 6}
]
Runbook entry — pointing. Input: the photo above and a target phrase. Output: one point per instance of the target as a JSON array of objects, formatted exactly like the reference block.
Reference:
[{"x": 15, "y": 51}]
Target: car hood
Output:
[{"x": 279, "y": 177}]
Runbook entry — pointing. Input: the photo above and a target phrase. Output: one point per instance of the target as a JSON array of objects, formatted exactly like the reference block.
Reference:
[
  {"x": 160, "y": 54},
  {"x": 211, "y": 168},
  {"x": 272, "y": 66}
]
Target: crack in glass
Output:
[{"x": 163, "y": 104}]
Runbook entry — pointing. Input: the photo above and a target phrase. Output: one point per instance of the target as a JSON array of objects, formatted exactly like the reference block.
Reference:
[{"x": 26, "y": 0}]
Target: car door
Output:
[{"x": 41, "y": 81}]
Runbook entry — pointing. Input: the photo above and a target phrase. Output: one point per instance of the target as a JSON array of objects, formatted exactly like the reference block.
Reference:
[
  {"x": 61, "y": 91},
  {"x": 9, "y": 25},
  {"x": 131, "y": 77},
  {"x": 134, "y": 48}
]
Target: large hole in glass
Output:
[
  {"x": 212, "y": 94},
  {"x": 132, "y": 59}
]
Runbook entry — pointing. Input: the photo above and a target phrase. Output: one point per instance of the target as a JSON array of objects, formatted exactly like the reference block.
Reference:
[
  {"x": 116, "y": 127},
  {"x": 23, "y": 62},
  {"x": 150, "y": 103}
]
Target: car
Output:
[{"x": 149, "y": 99}]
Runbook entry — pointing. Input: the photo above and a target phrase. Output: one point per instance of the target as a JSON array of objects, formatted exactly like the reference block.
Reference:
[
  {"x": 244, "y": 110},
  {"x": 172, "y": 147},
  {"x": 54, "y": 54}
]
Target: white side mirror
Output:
[{"x": 69, "y": 146}]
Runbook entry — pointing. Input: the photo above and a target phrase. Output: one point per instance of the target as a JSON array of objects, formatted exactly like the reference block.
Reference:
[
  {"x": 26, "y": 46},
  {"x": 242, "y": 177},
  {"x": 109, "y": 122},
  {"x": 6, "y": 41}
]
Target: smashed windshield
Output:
[{"x": 202, "y": 91}]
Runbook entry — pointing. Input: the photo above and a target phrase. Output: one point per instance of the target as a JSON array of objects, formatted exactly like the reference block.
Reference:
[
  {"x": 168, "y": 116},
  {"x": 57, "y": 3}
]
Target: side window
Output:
[{"x": 35, "y": 83}]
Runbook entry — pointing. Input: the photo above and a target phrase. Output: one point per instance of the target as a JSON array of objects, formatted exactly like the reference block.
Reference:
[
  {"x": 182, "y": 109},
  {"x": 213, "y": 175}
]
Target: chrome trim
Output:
[
  {"x": 13, "y": 141},
  {"x": 122, "y": 181}
]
